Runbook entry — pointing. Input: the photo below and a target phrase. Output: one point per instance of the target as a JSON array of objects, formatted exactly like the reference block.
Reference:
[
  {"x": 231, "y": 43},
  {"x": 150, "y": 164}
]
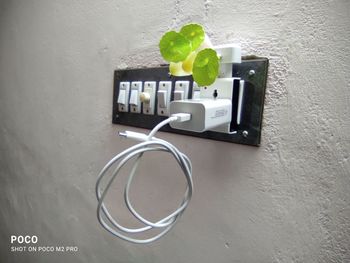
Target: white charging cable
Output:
[{"x": 148, "y": 143}]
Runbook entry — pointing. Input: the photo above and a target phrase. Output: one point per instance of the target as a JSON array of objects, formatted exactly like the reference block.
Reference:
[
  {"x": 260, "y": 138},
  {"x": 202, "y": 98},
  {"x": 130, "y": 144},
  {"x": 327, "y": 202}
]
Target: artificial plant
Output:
[{"x": 190, "y": 51}]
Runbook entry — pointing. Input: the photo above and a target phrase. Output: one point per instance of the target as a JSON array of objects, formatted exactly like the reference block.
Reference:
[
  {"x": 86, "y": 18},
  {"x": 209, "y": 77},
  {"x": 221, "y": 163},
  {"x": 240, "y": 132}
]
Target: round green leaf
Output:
[
  {"x": 206, "y": 67},
  {"x": 174, "y": 47},
  {"x": 194, "y": 33}
]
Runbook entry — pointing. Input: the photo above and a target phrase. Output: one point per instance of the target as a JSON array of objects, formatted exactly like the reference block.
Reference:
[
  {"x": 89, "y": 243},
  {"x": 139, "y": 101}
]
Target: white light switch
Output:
[
  {"x": 196, "y": 91},
  {"x": 148, "y": 97},
  {"x": 163, "y": 95},
  {"x": 135, "y": 103},
  {"x": 181, "y": 90},
  {"x": 162, "y": 98},
  {"x": 134, "y": 97},
  {"x": 123, "y": 96},
  {"x": 179, "y": 95}
]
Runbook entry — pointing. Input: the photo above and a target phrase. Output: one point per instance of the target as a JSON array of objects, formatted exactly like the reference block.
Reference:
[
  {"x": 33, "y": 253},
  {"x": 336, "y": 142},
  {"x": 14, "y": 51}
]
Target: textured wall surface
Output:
[{"x": 287, "y": 201}]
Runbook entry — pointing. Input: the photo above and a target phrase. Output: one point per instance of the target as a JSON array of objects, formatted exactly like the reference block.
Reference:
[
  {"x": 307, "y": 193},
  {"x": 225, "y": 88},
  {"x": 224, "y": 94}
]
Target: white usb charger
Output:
[{"x": 206, "y": 114}]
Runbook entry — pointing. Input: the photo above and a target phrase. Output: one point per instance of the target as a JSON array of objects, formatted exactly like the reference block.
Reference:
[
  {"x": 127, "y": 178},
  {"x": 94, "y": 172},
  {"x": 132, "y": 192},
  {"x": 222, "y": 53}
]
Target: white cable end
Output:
[
  {"x": 137, "y": 136},
  {"x": 182, "y": 117}
]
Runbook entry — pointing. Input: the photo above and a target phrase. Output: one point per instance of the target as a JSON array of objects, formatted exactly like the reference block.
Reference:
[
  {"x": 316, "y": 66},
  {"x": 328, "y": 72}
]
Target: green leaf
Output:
[
  {"x": 194, "y": 33},
  {"x": 174, "y": 47},
  {"x": 206, "y": 67}
]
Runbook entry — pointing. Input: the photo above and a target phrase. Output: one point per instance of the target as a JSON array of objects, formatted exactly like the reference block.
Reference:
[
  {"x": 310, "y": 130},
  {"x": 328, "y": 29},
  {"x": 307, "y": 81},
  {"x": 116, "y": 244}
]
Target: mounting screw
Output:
[
  {"x": 215, "y": 94},
  {"x": 245, "y": 134},
  {"x": 251, "y": 72}
]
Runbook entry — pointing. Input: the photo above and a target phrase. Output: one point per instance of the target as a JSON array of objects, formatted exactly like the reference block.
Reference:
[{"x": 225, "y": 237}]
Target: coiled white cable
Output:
[{"x": 149, "y": 143}]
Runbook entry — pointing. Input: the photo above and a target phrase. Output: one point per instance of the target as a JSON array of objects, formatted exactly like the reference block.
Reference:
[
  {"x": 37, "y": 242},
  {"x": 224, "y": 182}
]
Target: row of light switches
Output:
[
  {"x": 144, "y": 96},
  {"x": 135, "y": 95}
]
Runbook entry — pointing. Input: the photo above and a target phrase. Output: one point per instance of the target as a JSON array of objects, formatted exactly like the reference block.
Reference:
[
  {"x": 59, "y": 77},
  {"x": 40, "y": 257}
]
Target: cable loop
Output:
[{"x": 136, "y": 152}]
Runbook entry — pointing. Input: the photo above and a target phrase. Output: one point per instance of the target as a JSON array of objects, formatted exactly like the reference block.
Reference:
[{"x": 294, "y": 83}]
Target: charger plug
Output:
[
  {"x": 181, "y": 117},
  {"x": 205, "y": 114},
  {"x": 138, "y": 136}
]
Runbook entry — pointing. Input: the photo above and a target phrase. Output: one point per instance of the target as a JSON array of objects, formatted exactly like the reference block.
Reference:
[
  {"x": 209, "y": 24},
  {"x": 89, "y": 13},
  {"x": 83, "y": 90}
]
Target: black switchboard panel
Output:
[{"x": 252, "y": 70}]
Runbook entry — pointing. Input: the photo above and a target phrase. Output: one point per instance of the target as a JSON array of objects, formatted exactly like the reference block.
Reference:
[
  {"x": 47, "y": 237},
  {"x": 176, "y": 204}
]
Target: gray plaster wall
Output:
[{"x": 286, "y": 201}]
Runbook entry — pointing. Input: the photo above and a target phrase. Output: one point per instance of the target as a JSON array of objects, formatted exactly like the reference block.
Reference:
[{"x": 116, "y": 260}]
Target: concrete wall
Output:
[{"x": 287, "y": 201}]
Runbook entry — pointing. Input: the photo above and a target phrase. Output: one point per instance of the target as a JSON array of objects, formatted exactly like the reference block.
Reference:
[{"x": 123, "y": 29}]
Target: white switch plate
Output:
[
  {"x": 134, "y": 101},
  {"x": 181, "y": 90},
  {"x": 196, "y": 91},
  {"x": 123, "y": 96},
  {"x": 150, "y": 88},
  {"x": 164, "y": 89}
]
